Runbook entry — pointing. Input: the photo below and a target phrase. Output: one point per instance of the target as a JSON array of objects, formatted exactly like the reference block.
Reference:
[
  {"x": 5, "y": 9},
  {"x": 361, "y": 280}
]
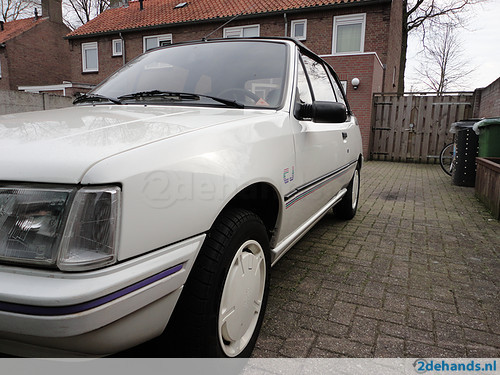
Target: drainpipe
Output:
[
  {"x": 286, "y": 24},
  {"x": 384, "y": 68},
  {"x": 123, "y": 47}
]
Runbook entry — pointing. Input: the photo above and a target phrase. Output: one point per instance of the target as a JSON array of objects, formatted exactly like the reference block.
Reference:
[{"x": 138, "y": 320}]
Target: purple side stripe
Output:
[{"x": 73, "y": 309}]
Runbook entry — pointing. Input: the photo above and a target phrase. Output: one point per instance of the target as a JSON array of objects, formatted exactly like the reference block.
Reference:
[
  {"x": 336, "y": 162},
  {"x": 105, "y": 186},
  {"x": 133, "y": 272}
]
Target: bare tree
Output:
[
  {"x": 11, "y": 10},
  {"x": 424, "y": 15},
  {"x": 79, "y": 12},
  {"x": 444, "y": 64}
]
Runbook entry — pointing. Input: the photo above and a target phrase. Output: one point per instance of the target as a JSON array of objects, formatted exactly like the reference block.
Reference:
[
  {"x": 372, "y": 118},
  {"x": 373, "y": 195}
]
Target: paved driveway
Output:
[{"x": 415, "y": 274}]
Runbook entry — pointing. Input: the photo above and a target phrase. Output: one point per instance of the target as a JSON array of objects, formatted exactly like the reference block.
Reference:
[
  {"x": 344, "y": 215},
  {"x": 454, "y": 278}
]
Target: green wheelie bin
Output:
[{"x": 488, "y": 130}]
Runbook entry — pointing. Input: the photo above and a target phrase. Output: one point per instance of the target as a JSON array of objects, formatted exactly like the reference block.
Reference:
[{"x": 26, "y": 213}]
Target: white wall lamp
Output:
[{"x": 355, "y": 83}]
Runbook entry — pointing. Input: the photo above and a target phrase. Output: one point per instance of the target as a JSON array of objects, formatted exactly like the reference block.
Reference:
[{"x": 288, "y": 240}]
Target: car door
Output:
[{"x": 323, "y": 164}]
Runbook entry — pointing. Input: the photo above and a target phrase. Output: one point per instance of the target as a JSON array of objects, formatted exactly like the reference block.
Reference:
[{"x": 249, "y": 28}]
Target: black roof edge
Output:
[{"x": 225, "y": 19}]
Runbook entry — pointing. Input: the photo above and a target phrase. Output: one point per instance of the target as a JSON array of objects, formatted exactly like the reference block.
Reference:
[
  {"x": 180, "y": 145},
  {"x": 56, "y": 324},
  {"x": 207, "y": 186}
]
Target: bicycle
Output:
[{"x": 447, "y": 158}]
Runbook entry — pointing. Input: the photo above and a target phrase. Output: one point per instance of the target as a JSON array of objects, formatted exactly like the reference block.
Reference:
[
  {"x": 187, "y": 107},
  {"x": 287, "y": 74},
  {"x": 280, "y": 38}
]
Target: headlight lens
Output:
[
  {"x": 91, "y": 235},
  {"x": 31, "y": 223},
  {"x": 75, "y": 229}
]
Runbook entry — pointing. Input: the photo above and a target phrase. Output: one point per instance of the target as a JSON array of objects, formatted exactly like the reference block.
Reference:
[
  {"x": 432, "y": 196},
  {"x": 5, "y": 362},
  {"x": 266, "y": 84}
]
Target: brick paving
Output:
[{"x": 415, "y": 274}]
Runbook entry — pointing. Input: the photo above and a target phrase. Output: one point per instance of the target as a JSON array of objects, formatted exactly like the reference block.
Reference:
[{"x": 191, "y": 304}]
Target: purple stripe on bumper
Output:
[{"x": 74, "y": 309}]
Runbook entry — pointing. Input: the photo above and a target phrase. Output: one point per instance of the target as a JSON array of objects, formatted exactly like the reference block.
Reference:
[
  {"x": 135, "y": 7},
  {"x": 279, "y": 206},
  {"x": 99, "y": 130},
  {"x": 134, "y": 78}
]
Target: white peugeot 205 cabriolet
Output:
[{"x": 162, "y": 198}]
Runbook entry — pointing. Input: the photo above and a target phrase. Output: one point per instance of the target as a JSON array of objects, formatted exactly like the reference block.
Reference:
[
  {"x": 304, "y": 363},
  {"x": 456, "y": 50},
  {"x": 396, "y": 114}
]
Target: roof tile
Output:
[
  {"x": 161, "y": 12},
  {"x": 15, "y": 28}
]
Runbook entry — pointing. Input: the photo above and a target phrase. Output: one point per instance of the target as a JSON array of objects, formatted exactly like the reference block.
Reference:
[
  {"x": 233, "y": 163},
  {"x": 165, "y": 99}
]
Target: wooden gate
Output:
[{"x": 415, "y": 127}]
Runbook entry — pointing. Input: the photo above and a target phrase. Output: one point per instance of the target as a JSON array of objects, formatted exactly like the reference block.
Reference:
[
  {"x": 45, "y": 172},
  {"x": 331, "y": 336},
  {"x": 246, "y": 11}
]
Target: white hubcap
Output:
[
  {"x": 355, "y": 188},
  {"x": 242, "y": 298}
]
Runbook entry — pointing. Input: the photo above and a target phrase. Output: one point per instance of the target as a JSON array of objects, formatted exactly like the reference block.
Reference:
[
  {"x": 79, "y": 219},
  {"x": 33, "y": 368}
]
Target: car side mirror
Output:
[{"x": 322, "y": 112}]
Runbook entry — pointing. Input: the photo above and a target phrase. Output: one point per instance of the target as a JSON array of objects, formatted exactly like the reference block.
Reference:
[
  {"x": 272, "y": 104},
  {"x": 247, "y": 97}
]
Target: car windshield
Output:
[{"x": 235, "y": 73}]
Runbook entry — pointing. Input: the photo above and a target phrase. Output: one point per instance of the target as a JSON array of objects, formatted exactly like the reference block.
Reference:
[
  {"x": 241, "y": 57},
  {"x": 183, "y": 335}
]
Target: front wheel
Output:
[
  {"x": 346, "y": 209},
  {"x": 221, "y": 309}
]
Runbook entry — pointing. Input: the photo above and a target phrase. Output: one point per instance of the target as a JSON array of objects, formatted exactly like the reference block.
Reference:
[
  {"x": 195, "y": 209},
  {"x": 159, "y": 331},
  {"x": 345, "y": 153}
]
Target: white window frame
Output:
[
  {"x": 236, "y": 29},
  {"x": 115, "y": 43},
  {"x": 160, "y": 38},
  {"x": 297, "y": 22},
  {"x": 349, "y": 20},
  {"x": 89, "y": 46}
]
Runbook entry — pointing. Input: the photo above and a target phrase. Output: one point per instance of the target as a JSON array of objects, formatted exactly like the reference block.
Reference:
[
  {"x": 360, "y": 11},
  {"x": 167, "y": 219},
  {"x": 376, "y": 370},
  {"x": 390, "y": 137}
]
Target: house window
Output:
[
  {"x": 117, "y": 47},
  {"x": 242, "y": 31},
  {"x": 299, "y": 29},
  {"x": 349, "y": 33},
  {"x": 90, "y": 58},
  {"x": 150, "y": 42}
]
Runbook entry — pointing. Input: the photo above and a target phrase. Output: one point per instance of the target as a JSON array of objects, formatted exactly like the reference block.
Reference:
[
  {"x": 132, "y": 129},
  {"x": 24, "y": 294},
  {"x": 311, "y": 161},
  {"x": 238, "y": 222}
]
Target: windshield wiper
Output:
[
  {"x": 172, "y": 95},
  {"x": 228, "y": 102},
  {"x": 161, "y": 94},
  {"x": 95, "y": 98}
]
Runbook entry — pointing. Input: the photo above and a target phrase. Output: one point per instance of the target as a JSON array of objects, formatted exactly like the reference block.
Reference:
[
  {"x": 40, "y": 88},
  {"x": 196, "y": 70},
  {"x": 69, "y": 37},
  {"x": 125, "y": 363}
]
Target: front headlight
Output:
[
  {"x": 73, "y": 229},
  {"x": 91, "y": 235},
  {"x": 31, "y": 223}
]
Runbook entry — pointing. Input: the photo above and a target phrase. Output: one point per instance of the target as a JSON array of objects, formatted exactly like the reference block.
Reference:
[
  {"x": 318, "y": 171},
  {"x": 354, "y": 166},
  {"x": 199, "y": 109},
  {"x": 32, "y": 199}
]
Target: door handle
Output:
[{"x": 344, "y": 135}]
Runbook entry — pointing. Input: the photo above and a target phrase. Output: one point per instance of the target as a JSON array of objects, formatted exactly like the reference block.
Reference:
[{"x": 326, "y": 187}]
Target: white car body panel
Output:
[{"x": 59, "y": 146}]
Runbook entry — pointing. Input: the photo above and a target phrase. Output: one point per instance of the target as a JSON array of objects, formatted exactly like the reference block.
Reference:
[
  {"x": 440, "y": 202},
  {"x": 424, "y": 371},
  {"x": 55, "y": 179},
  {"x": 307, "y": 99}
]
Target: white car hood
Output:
[{"x": 59, "y": 146}]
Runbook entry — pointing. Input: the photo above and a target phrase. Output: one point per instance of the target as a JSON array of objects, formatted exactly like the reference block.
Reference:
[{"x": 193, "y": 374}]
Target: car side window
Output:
[
  {"x": 304, "y": 91},
  {"x": 320, "y": 82},
  {"x": 336, "y": 88}
]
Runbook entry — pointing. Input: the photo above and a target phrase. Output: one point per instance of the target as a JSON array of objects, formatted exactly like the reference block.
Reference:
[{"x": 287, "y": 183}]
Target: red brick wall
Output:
[
  {"x": 319, "y": 36},
  {"x": 40, "y": 56},
  {"x": 490, "y": 100},
  {"x": 4, "y": 81},
  {"x": 394, "y": 47}
]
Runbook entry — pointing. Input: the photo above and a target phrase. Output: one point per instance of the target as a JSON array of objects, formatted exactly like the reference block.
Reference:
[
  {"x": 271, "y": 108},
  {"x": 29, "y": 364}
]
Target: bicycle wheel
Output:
[{"x": 447, "y": 157}]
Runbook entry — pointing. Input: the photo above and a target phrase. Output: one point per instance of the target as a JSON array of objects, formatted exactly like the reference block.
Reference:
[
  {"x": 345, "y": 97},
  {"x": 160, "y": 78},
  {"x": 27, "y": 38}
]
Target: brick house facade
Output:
[
  {"x": 32, "y": 49},
  {"x": 104, "y": 44}
]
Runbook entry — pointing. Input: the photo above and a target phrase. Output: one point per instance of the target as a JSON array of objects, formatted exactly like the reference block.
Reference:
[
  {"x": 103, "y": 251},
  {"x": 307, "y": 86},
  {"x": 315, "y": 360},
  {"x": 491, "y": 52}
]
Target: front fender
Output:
[{"x": 174, "y": 189}]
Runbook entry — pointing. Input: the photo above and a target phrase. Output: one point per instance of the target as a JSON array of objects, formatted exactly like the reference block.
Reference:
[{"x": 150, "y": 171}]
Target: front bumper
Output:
[{"x": 46, "y": 313}]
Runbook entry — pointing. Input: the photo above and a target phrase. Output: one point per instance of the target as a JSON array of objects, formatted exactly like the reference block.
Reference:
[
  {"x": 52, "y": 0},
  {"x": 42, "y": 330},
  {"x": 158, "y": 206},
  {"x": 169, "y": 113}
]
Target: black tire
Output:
[
  {"x": 446, "y": 158},
  {"x": 346, "y": 209},
  {"x": 238, "y": 239}
]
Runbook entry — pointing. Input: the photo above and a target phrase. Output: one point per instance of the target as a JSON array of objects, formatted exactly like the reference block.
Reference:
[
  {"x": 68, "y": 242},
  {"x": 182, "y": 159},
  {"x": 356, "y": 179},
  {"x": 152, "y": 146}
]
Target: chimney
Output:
[
  {"x": 53, "y": 10},
  {"x": 141, "y": 4},
  {"x": 1, "y": 25}
]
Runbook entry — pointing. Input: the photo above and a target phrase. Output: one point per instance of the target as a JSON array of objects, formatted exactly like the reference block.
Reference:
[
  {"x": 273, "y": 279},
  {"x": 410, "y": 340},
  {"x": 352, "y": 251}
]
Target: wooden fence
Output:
[{"x": 414, "y": 128}]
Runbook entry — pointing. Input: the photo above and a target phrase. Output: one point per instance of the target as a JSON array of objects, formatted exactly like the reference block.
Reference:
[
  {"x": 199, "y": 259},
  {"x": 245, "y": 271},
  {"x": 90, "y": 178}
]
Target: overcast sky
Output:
[{"x": 481, "y": 46}]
